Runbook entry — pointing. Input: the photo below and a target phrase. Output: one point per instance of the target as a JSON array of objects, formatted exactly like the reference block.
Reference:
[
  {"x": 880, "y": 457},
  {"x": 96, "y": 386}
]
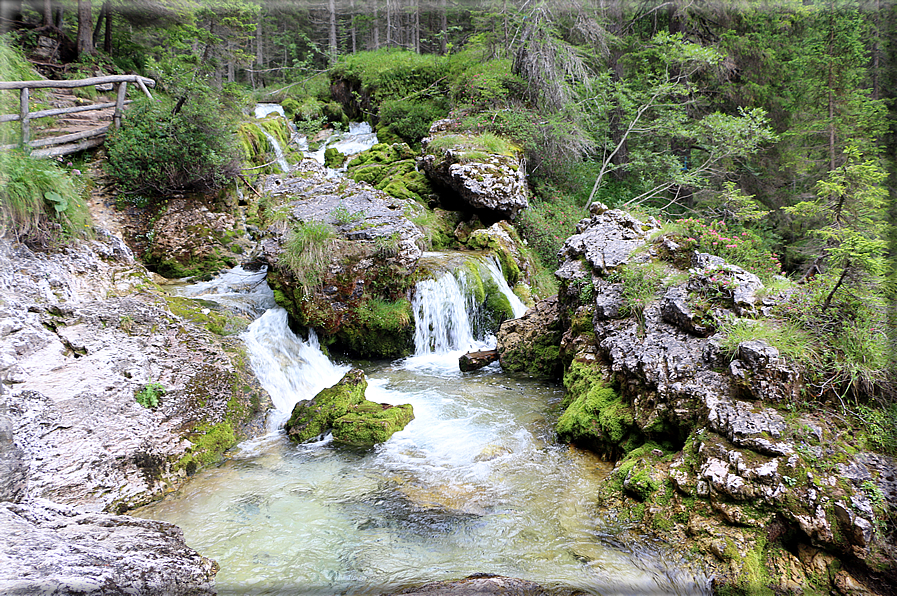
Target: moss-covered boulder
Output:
[
  {"x": 370, "y": 423},
  {"x": 312, "y": 418},
  {"x": 343, "y": 409},
  {"x": 333, "y": 158},
  {"x": 392, "y": 169},
  {"x": 503, "y": 241}
]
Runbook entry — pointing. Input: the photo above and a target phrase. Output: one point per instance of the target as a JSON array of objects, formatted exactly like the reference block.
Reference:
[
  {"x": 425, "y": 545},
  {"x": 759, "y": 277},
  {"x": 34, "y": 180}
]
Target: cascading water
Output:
[
  {"x": 475, "y": 483},
  {"x": 278, "y": 151}
]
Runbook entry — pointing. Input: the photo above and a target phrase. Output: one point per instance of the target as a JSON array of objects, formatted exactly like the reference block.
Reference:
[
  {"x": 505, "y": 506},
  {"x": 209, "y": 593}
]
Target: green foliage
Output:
[
  {"x": 793, "y": 343},
  {"x": 305, "y": 253},
  {"x": 547, "y": 223},
  {"x": 333, "y": 158},
  {"x": 39, "y": 199},
  {"x": 640, "y": 286},
  {"x": 409, "y": 120},
  {"x": 389, "y": 74},
  {"x": 158, "y": 151},
  {"x": 473, "y": 146},
  {"x": 737, "y": 245},
  {"x": 148, "y": 395},
  {"x": 880, "y": 426}
]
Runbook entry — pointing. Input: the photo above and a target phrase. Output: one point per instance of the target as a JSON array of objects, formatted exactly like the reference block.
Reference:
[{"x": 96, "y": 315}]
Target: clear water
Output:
[{"x": 474, "y": 484}]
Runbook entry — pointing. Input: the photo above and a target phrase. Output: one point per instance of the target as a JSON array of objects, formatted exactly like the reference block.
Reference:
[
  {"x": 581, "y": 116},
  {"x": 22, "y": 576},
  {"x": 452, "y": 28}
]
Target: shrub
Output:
[
  {"x": 161, "y": 150},
  {"x": 739, "y": 246},
  {"x": 411, "y": 120},
  {"x": 38, "y": 198}
]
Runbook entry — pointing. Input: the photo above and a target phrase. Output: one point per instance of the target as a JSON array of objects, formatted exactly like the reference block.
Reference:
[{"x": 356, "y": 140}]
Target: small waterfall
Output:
[
  {"x": 442, "y": 323},
  {"x": 494, "y": 268},
  {"x": 287, "y": 367},
  {"x": 278, "y": 152},
  {"x": 445, "y": 310}
]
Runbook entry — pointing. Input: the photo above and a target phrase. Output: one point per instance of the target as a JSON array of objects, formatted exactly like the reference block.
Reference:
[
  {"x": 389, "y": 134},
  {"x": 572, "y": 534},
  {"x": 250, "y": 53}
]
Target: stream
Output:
[{"x": 476, "y": 483}]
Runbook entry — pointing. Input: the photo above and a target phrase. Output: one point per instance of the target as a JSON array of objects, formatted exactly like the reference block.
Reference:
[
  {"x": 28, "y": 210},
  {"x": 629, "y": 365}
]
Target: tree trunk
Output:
[
  {"x": 376, "y": 26},
  {"x": 416, "y": 26},
  {"x": 107, "y": 40},
  {"x": 48, "y": 13},
  {"x": 388, "y": 25},
  {"x": 59, "y": 17},
  {"x": 85, "y": 37},
  {"x": 331, "y": 8},
  {"x": 443, "y": 25},
  {"x": 352, "y": 29}
]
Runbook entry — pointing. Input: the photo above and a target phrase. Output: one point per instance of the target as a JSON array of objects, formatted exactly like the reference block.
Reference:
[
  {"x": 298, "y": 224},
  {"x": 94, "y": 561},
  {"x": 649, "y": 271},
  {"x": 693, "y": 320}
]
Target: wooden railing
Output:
[{"x": 62, "y": 145}]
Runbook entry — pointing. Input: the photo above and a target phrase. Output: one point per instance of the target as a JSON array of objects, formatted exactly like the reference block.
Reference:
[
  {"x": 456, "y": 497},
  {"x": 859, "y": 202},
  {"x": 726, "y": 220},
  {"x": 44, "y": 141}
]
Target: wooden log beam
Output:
[
  {"x": 23, "y": 115},
  {"x": 75, "y": 83},
  {"x": 119, "y": 103},
  {"x": 76, "y": 136},
  {"x": 67, "y": 149}
]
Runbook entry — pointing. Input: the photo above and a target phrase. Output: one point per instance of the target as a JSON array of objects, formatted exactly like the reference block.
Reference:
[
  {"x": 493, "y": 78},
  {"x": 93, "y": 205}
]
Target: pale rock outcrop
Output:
[{"x": 49, "y": 548}]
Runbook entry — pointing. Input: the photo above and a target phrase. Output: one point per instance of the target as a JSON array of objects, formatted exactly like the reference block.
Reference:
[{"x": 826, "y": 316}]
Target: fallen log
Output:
[{"x": 477, "y": 360}]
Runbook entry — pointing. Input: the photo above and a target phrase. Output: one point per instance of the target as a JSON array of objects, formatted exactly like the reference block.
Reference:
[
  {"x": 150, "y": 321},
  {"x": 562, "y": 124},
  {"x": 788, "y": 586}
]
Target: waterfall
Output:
[
  {"x": 445, "y": 310},
  {"x": 287, "y": 367},
  {"x": 278, "y": 152},
  {"x": 441, "y": 320}
]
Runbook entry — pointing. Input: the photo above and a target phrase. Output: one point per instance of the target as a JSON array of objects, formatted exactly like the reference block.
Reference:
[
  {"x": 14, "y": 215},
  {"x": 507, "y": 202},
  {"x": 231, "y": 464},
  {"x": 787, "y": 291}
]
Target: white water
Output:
[
  {"x": 494, "y": 268},
  {"x": 475, "y": 483},
  {"x": 278, "y": 151},
  {"x": 360, "y": 137},
  {"x": 287, "y": 367}
]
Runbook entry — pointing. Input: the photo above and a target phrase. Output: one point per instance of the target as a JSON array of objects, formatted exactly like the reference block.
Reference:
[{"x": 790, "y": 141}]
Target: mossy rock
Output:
[
  {"x": 333, "y": 158},
  {"x": 641, "y": 481},
  {"x": 379, "y": 329},
  {"x": 312, "y": 418},
  {"x": 392, "y": 169},
  {"x": 370, "y": 423},
  {"x": 596, "y": 416}
]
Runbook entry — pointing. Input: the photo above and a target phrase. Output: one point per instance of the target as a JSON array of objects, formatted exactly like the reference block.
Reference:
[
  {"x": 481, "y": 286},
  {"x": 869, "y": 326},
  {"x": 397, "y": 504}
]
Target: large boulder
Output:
[
  {"x": 359, "y": 297},
  {"x": 55, "y": 549},
  {"x": 81, "y": 335},
  {"x": 392, "y": 169},
  {"x": 531, "y": 344},
  {"x": 484, "y": 180},
  {"x": 712, "y": 423}
]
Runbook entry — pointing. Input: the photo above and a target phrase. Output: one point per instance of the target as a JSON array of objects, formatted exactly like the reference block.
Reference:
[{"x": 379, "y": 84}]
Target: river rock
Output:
[
  {"x": 478, "y": 585},
  {"x": 606, "y": 240},
  {"x": 55, "y": 549},
  {"x": 531, "y": 344},
  {"x": 343, "y": 409},
  {"x": 360, "y": 296},
  {"x": 485, "y": 181},
  {"x": 80, "y": 335}
]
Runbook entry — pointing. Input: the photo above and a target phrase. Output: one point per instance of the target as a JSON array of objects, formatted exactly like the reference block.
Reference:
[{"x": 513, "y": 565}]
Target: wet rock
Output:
[
  {"x": 343, "y": 409},
  {"x": 531, "y": 343},
  {"x": 369, "y": 423},
  {"x": 477, "y": 360},
  {"x": 312, "y": 418},
  {"x": 72, "y": 360},
  {"x": 502, "y": 240},
  {"x": 194, "y": 241},
  {"x": 54, "y": 549}
]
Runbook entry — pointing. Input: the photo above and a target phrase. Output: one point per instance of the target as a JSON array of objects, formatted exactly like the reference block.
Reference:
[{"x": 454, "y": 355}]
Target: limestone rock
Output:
[
  {"x": 606, "y": 240},
  {"x": 13, "y": 466},
  {"x": 489, "y": 181},
  {"x": 72, "y": 359},
  {"x": 54, "y": 549},
  {"x": 531, "y": 343},
  {"x": 675, "y": 310},
  {"x": 375, "y": 250}
]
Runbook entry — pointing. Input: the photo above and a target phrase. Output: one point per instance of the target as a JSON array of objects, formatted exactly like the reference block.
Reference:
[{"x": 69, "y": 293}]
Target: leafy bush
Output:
[
  {"x": 148, "y": 396},
  {"x": 739, "y": 246},
  {"x": 38, "y": 198},
  {"x": 161, "y": 150},
  {"x": 410, "y": 120},
  {"x": 547, "y": 223}
]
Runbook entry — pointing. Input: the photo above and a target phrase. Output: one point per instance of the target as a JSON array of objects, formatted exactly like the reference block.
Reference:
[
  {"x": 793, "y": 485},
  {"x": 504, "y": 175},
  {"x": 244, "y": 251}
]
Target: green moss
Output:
[
  {"x": 218, "y": 322},
  {"x": 379, "y": 328},
  {"x": 209, "y": 442},
  {"x": 312, "y": 418},
  {"x": 392, "y": 169},
  {"x": 596, "y": 416},
  {"x": 370, "y": 423},
  {"x": 333, "y": 158}
]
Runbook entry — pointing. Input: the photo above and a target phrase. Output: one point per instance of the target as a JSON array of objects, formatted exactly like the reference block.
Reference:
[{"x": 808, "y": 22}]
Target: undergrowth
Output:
[{"x": 305, "y": 253}]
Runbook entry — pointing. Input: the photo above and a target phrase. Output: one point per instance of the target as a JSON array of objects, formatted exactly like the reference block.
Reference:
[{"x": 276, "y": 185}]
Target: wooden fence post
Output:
[
  {"x": 119, "y": 102},
  {"x": 23, "y": 116}
]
